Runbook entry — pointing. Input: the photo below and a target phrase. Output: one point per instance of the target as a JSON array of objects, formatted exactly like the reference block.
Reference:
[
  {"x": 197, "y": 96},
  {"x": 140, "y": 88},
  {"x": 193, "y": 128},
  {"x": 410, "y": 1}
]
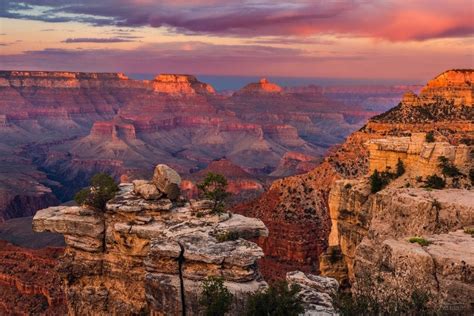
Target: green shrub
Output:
[
  {"x": 435, "y": 182},
  {"x": 400, "y": 168},
  {"x": 279, "y": 299},
  {"x": 213, "y": 188},
  {"x": 102, "y": 189},
  {"x": 429, "y": 138},
  {"x": 447, "y": 168},
  {"x": 215, "y": 298},
  {"x": 471, "y": 176},
  {"x": 227, "y": 236},
  {"x": 378, "y": 180},
  {"x": 419, "y": 240}
]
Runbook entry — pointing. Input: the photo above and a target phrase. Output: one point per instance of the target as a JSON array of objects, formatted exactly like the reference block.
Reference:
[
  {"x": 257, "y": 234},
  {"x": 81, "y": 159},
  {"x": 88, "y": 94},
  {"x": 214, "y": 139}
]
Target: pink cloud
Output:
[{"x": 389, "y": 19}]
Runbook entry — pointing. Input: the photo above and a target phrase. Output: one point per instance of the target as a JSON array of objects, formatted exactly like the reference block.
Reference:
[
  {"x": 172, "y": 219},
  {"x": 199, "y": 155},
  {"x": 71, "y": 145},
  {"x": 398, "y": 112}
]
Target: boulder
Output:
[
  {"x": 167, "y": 180},
  {"x": 316, "y": 292},
  {"x": 146, "y": 189}
]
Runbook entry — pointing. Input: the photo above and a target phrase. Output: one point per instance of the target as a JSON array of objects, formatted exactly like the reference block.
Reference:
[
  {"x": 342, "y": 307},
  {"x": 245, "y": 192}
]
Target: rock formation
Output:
[
  {"x": 341, "y": 234},
  {"x": 261, "y": 87},
  {"x": 29, "y": 283},
  {"x": 60, "y": 128},
  {"x": 151, "y": 255},
  {"x": 316, "y": 292},
  {"x": 180, "y": 84}
]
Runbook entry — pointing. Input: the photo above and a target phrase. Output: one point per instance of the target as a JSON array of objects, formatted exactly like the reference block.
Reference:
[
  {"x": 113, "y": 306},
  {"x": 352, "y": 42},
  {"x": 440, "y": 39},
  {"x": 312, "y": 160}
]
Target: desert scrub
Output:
[
  {"x": 215, "y": 299},
  {"x": 429, "y": 137},
  {"x": 435, "y": 182},
  {"x": 469, "y": 230},
  {"x": 227, "y": 236},
  {"x": 213, "y": 187},
  {"x": 279, "y": 298},
  {"x": 102, "y": 189},
  {"x": 419, "y": 240}
]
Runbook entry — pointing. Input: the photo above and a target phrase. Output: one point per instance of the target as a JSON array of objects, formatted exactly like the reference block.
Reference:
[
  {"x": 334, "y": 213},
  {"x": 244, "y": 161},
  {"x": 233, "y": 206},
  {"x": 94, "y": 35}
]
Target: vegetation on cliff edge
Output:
[{"x": 102, "y": 188}]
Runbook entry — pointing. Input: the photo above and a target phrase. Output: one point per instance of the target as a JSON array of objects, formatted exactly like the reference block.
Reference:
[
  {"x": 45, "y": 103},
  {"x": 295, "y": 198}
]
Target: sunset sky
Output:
[{"x": 375, "y": 39}]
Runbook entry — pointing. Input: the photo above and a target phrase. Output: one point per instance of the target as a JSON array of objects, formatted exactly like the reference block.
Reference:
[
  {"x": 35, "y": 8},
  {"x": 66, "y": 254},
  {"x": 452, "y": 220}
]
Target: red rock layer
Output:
[{"x": 29, "y": 283}]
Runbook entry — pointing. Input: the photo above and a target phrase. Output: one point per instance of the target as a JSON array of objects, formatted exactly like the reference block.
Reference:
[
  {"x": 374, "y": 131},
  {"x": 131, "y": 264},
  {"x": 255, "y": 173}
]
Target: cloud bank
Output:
[{"x": 389, "y": 19}]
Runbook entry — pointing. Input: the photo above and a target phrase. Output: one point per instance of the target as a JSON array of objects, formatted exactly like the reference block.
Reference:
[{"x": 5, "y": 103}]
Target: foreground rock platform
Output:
[{"x": 150, "y": 256}]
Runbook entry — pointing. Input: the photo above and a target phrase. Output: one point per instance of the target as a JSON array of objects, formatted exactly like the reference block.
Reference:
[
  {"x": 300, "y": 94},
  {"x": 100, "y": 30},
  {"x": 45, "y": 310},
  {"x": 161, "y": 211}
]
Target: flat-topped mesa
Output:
[
  {"x": 113, "y": 130},
  {"x": 147, "y": 252},
  {"x": 262, "y": 87},
  {"x": 180, "y": 84},
  {"x": 66, "y": 79},
  {"x": 63, "y": 74}
]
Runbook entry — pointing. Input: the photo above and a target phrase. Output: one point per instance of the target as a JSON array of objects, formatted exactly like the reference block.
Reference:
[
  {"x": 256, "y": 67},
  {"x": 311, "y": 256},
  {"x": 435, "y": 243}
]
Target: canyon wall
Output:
[
  {"x": 29, "y": 283},
  {"x": 60, "y": 128},
  {"x": 339, "y": 187}
]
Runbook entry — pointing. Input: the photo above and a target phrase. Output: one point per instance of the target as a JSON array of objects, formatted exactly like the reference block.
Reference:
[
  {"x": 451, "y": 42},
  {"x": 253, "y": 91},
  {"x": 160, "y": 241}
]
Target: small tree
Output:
[
  {"x": 215, "y": 297},
  {"x": 376, "y": 182},
  {"x": 430, "y": 137},
  {"x": 102, "y": 189},
  {"x": 400, "y": 168},
  {"x": 447, "y": 168},
  {"x": 279, "y": 299},
  {"x": 435, "y": 182},
  {"x": 213, "y": 188}
]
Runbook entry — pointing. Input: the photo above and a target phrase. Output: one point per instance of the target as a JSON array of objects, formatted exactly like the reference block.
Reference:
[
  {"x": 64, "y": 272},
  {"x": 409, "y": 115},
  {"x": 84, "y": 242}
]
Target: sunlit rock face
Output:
[
  {"x": 180, "y": 84},
  {"x": 338, "y": 190},
  {"x": 150, "y": 255},
  {"x": 262, "y": 87}
]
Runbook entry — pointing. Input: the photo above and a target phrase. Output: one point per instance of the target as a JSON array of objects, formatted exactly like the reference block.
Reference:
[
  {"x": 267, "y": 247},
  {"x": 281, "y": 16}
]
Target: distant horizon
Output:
[{"x": 235, "y": 82}]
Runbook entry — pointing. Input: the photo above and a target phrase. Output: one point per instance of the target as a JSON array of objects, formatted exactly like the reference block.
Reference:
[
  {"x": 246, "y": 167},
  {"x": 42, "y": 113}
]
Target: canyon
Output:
[
  {"x": 403, "y": 240},
  {"x": 57, "y": 129}
]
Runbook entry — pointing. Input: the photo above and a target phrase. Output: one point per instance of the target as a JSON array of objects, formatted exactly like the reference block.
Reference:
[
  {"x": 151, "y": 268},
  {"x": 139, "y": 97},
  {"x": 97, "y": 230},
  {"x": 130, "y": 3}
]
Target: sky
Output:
[{"x": 407, "y": 40}]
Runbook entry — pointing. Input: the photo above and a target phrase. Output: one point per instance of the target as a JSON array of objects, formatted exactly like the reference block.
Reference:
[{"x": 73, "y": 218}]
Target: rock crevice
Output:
[{"x": 151, "y": 255}]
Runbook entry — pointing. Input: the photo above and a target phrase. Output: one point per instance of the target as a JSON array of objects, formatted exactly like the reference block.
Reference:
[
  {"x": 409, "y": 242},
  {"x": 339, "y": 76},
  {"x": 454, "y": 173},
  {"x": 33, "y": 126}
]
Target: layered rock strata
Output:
[
  {"x": 29, "y": 283},
  {"x": 151, "y": 255},
  {"x": 341, "y": 214},
  {"x": 67, "y": 126}
]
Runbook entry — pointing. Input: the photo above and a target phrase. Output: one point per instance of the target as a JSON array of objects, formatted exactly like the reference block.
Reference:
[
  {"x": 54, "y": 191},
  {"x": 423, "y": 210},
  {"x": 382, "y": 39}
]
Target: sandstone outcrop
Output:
[
  {"x": 442, "y": 270},
  {"x": 339, "y": 187},
  {"x": 448, "y": 97},
  {"x": 180, "y": 84},
  {"x": 316, "y": 292},
  {"x": 262, "y": 87},
  {"x": 151, "y": 255}
]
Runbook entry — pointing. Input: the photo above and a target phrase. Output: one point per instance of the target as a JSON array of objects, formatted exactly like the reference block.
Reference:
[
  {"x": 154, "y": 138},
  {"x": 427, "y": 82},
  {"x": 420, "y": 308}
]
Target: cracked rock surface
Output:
[{"x": 151, "y": 255}]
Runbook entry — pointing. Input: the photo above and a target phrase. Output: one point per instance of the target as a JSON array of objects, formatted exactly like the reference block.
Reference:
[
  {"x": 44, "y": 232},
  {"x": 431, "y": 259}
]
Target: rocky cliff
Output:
[
  {"x": 342, "y": 217},
  {"x": 150, "y": 255}
]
